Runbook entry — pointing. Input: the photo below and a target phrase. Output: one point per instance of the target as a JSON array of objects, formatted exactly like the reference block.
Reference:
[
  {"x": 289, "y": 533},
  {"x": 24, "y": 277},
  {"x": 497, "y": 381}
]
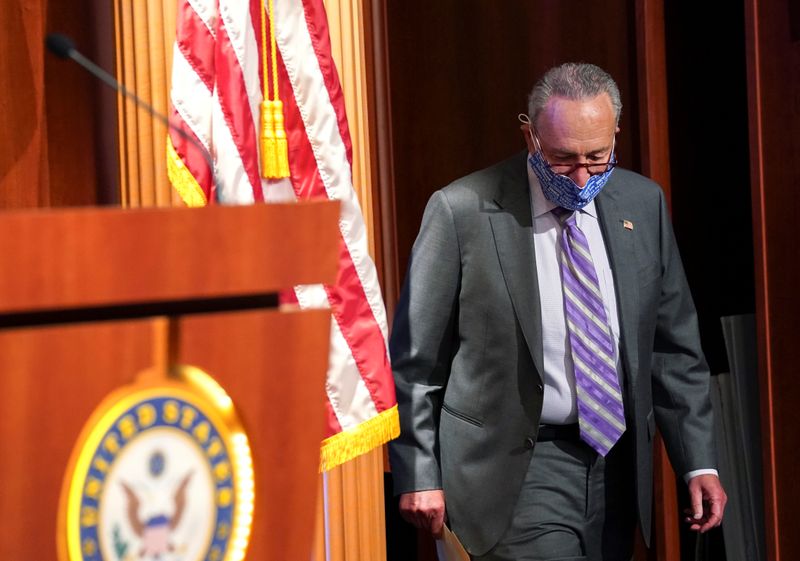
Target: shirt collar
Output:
[{"x": 542, "y": 205}]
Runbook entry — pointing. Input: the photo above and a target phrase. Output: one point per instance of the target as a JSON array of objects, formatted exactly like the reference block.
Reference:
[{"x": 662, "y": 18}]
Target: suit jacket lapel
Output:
[
  {"x": 619, "y": 245},
  {"x": 512, "y": 227}
]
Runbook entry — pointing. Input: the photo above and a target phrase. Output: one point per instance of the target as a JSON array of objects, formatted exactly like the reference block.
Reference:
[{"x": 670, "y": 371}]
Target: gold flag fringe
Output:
[
  {"x": 351, "y": 443},
  {"x": 182, "y": 179}
]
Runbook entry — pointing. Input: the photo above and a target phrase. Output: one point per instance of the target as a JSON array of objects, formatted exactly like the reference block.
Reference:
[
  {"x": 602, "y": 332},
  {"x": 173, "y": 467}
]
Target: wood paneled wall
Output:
[
  {"x": 144, "y": 36},
  {"x": 23, "y": 143},
  {"x": 53, "y": 146},
  {"x": 773, "y": 68},
  {"x": 654, "y": 152}
]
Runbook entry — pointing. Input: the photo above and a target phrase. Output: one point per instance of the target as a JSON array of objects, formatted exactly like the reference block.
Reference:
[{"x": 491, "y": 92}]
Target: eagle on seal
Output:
[{"x": 155, "y": 531}]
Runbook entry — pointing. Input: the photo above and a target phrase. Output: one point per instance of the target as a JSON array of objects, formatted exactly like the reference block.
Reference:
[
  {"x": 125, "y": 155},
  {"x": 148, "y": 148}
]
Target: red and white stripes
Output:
[{"x": 216, "y": 94}]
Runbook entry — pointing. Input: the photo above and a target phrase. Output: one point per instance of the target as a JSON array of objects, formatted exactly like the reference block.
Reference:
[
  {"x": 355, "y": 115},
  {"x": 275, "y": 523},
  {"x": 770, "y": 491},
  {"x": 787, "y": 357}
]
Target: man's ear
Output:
[{"x": 526, "y": 134}]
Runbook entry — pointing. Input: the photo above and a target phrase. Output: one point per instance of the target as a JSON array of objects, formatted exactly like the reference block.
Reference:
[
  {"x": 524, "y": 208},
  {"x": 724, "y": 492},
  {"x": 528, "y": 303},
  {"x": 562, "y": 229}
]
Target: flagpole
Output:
[{"x": 325, "y": 517}]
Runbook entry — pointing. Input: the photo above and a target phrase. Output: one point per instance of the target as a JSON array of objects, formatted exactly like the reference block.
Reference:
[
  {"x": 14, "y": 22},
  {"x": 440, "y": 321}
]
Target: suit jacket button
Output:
[
  {"x": 529, "y": 443},
  {"x": 540, "y": 388}
]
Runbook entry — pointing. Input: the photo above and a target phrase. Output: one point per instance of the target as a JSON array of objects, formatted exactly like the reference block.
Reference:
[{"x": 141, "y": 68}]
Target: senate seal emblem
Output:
[{"x": 161, "y": 472}]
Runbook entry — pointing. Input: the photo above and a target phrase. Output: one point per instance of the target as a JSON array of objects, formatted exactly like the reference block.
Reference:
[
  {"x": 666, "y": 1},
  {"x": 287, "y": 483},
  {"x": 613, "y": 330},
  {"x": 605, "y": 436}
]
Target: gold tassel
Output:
[
  {"x": 274, "y": 145},
  {"x": 281, "y": 144},
  {"x": 268, "y": 162}
]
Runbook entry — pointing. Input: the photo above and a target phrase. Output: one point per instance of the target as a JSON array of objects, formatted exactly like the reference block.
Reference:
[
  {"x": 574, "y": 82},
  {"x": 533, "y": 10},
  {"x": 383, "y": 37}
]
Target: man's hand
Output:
[
  {"x": 425, "y": 510},
  {"x": 708, "y": 503}
]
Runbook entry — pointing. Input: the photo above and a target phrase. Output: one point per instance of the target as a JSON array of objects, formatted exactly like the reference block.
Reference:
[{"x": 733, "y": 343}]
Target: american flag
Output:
[{"x": 216, "y": 92}]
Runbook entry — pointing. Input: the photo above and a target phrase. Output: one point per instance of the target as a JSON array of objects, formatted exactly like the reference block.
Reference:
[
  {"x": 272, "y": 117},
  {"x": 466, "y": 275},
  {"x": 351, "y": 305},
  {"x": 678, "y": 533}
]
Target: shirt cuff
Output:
[{"x": 695, "y": 472}]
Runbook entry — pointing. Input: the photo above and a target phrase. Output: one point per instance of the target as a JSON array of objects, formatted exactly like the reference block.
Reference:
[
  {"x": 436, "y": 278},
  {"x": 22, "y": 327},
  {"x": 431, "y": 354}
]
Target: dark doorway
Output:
[{"x": 709, "y": 164}]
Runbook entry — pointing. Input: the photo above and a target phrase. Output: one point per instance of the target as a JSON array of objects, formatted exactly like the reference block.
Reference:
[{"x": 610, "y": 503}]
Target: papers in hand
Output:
[{"x": 449, "y": 548}]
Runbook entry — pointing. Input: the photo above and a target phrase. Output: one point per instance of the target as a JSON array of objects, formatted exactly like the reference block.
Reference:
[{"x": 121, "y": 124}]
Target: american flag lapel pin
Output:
[{"x": 627, "y": 224}]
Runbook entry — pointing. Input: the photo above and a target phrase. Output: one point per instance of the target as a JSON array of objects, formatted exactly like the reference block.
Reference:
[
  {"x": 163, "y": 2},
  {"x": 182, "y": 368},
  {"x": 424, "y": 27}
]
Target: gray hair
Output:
[{"x": 576, "y": 81}]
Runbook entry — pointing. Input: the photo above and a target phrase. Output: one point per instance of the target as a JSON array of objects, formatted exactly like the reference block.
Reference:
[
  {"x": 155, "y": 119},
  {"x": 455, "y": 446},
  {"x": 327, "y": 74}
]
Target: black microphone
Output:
[{"x": 63, "y": 47}]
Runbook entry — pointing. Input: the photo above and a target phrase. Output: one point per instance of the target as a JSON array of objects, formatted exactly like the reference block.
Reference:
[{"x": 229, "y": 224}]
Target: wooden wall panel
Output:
[
  {"x": 354, "y": 527},
  {"x": 144, "y": 35},
  {"x": 53, "y": 151},
  {"x": 652, "y": 73},
  {"x": 654, "y": 135},
  {"x": 23, "y": 143},
  {"x": 381, "y": 134},
  {"x": 460, "y": 72},
  {"x": 773, "y": 68},
  {"x": 71, "y": 100},
  {"x": 42, "y": 370}
]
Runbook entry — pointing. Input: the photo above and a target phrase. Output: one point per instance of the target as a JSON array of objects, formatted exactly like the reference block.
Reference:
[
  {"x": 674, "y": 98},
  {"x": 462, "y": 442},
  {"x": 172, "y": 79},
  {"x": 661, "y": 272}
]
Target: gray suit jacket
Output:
[{"x": 467, "y": 354}]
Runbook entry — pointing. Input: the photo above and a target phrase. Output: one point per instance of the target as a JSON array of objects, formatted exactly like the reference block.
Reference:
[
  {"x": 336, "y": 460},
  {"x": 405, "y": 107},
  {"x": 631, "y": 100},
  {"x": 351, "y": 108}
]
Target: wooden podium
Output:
[{"x": 89, "y": 298}]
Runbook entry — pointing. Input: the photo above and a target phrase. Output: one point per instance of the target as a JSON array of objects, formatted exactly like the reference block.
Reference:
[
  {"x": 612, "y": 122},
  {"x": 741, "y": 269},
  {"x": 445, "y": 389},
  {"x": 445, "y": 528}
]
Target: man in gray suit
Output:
[{"x": 544, "y": 330}]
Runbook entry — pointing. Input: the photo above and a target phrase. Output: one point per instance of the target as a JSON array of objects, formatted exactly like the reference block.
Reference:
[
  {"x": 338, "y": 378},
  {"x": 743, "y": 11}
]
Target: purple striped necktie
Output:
[{"x": 600, "y": 411}]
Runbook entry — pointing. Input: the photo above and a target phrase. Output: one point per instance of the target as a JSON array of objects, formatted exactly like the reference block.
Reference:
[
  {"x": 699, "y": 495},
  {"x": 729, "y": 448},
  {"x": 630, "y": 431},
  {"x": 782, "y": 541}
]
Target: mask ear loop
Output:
[
  {"x": 614, "y": 149},
  {"x": 525, "y": 120}
]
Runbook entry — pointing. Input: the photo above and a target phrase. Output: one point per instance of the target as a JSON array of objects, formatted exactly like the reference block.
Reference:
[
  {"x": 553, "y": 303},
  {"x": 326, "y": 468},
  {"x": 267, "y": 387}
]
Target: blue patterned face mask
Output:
[{"x": 561, "y": 189}]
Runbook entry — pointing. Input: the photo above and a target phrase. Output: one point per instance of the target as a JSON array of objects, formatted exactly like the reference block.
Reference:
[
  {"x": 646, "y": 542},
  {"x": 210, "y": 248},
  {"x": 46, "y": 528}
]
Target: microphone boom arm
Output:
[{"x": 63, "y": 47}]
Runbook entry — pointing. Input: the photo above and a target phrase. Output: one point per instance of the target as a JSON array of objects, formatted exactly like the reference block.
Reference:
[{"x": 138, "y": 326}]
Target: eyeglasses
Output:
[{"x": 568, "y": 169}]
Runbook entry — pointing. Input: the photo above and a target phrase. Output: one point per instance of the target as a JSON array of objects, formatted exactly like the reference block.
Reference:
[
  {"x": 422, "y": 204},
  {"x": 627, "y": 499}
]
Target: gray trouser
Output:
[{"x": 574, "y": 505}]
